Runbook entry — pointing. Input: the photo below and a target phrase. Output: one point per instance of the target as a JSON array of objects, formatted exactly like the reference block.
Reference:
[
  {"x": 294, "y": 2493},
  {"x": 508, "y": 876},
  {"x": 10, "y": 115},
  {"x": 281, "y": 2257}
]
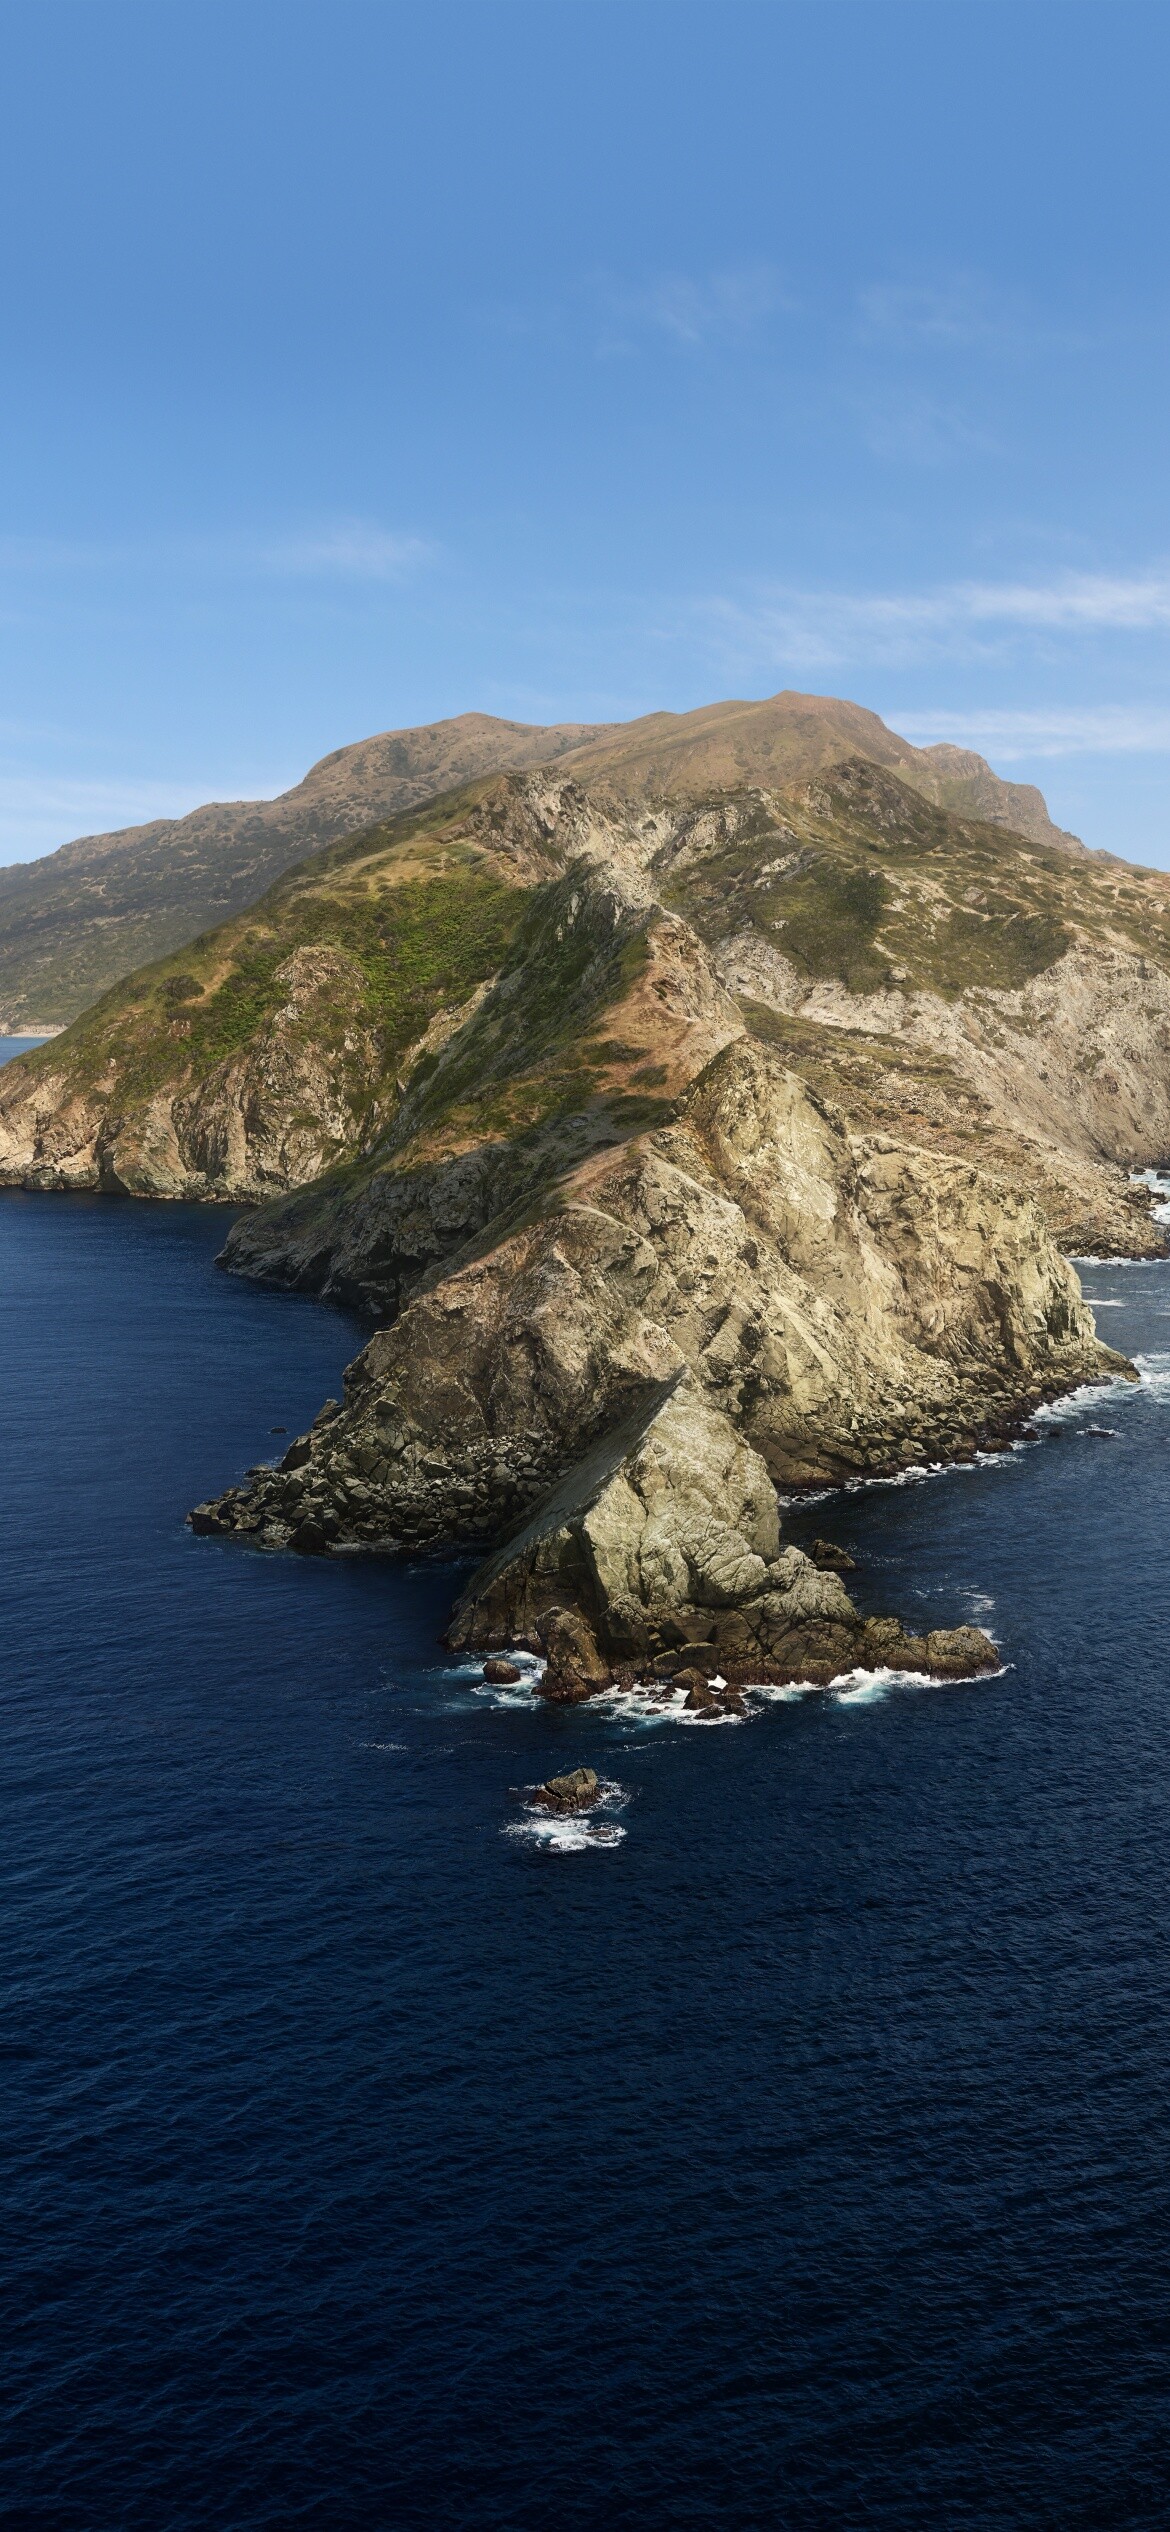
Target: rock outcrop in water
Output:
[{"x": 577, "y": 1791}]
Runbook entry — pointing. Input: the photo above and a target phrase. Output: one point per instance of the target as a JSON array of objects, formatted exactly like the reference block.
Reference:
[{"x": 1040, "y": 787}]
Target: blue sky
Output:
[{"x": 365, "y": 363}]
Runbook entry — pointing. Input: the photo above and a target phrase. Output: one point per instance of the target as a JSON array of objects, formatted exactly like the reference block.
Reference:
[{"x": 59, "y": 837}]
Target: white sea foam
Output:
[
  {"x": 1159, "y": 1185},
  {"x": 657, "y": 1701},
  {"x": 1079, "y": 1402},
  {"x": 648, "y": 1703},
  {"x": 501, "y": 1692},
  {"x": 576, "y": 1835},
  {"x": 869, "y": 1687},
  {"x": 652, "y": 1704},
  {"x": 1155, "y": 1373},
  {"x": 574, "y": 1832},
  {"x": 917, "y": 1474},
  {"x": 768, "y": 1693},
  {"x": 1153, "y": 1381}
]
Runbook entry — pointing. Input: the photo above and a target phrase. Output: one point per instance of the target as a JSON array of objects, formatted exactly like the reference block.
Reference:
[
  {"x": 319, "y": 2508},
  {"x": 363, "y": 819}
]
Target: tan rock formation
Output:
[{"x": 747, "y": 1296}]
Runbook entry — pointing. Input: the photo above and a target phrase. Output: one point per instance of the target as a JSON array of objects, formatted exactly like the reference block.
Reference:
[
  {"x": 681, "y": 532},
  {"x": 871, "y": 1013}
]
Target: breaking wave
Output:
[
  {"x": 1159, "y": 1185},
  {"x": 501, "y": 1692},
  {"x": 1155, "y": 1372},
  {"x": 574, "y": 1832}
]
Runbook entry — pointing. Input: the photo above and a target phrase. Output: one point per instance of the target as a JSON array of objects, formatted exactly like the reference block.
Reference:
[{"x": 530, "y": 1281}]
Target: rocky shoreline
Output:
[{"x": 611, "y": 1397}]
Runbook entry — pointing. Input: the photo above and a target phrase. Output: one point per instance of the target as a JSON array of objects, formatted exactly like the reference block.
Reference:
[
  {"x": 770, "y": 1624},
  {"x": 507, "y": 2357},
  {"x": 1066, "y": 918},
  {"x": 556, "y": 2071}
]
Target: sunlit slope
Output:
[{"x": 73, "y": 922}]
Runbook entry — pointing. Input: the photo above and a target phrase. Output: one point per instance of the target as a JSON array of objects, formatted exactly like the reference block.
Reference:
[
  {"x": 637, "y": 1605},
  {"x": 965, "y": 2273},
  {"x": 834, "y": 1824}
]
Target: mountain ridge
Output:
[
  {"x": 1006, "y": 1000},
  {"x": 76, "y": 920}
]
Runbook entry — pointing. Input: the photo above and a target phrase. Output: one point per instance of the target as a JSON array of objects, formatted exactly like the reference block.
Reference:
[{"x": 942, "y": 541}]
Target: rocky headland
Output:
[
  {"x": 693, "y": 1146},
  {"x": 747, "y": 1299}
]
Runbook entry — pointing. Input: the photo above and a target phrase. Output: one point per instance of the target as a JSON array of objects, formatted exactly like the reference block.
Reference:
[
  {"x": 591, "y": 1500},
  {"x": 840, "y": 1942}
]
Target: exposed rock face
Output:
[
  {"x": 1066, "y": 1058},
  {"x": 577, "y": 1791},
  {"x": 956, "y": 778},
  {"x": 406, "y": 1037},
  {"x": 130, "y": 1101},
  {"x": 747, "y": 1296},
  {"x": 675, "y": 1539},
  {"x": 669, "y": 1511},
  {"x": 265, "y": 1119},
  {"x": 75, "y": 921}
]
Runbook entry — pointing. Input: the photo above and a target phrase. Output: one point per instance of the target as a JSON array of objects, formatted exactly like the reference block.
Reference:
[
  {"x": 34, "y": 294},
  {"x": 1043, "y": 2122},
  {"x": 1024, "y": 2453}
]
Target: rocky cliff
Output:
[
  {"x": 409, "y": 1024},
  {"x": 612, "y": 1389}
]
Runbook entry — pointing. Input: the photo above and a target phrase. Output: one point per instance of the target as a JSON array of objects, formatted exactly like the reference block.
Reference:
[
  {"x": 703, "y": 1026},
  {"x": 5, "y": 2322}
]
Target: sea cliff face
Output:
[{"x": 613, "y": 1390}]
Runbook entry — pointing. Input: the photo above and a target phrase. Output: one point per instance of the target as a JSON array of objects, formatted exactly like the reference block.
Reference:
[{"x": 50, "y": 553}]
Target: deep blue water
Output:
[{"x": 803, "y": 2158}]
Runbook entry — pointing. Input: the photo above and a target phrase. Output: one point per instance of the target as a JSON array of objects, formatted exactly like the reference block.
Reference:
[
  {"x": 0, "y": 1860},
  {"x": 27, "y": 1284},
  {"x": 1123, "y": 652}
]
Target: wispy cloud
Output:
[
  {"x": 338, "y": 549},
  {"x": 1095, "y": 600},
  {"x": 960, "y": 314},
  {"x": 920, "y": 430},
  {"x": 824, "y": 628},
  {"x": 354, "y": 549},
  {"x": 1093, "y": 730},
  {"x": 693, "y": 310}
]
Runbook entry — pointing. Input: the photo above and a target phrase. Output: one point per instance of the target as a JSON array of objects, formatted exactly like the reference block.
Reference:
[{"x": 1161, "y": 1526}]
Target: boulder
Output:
[
  {"x": 954, "y": 1652},
  {"x": 671, "y": 1515},
  {"x": 500, "y": 1673},
  {"x": 831, "y": 1559},
  {"x": 577, "y": 1791},
  {"x": 574, "y": 1667}
]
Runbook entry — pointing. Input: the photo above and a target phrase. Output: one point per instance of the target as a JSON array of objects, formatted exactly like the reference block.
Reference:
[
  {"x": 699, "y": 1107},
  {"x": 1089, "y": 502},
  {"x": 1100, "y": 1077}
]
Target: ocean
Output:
[{"x": 796, "y": 2151}]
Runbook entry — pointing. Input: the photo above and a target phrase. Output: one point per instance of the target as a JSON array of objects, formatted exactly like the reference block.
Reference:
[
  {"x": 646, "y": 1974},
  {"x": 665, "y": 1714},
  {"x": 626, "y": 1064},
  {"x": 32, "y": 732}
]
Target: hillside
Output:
[
  {"x": 787, "y": 739},
  {"x": 73, "y": 922},
  {"x": 451, "y": 991}
]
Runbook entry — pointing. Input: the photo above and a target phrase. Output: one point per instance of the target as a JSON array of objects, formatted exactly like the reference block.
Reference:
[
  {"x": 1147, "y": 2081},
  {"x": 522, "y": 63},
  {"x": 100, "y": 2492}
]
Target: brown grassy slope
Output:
[
  {"x": 786, "y": 739},
  {"x": 853, "y": 887},
  {"x": 72, "y": 923}
]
